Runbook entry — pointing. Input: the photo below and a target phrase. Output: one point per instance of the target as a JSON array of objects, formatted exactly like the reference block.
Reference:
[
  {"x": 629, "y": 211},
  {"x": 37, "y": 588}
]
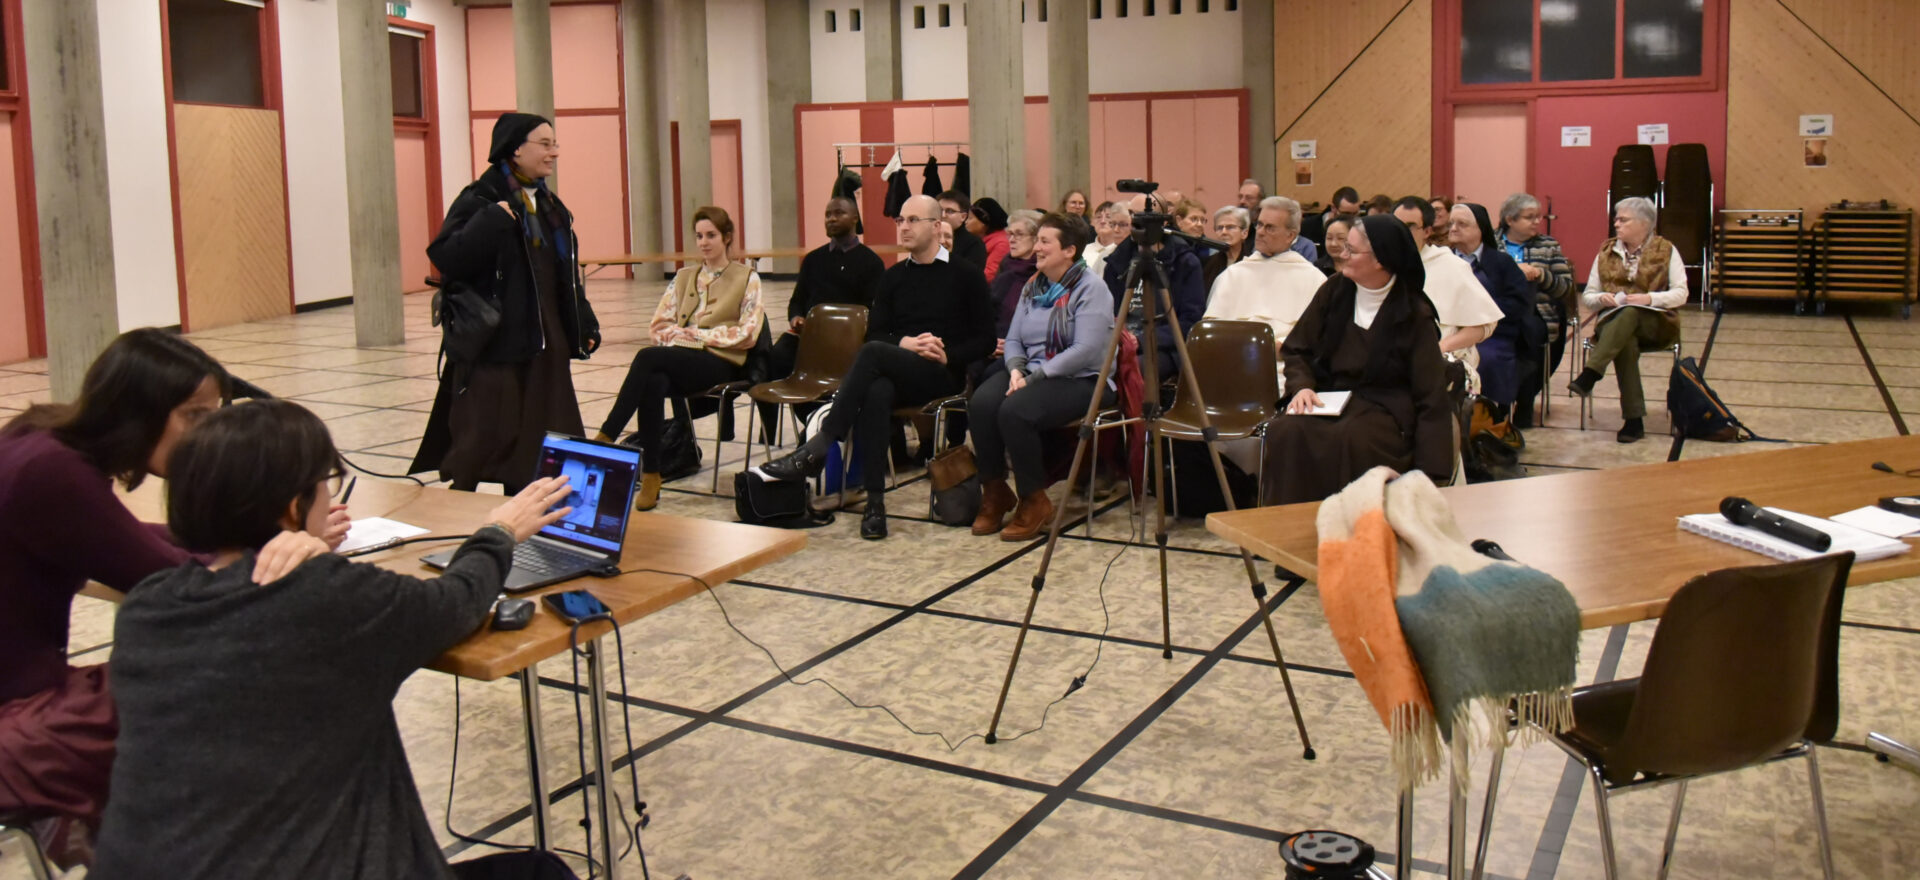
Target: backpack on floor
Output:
[
  {"x": 781, "y": 504},
  {"x": 1698, "y": 413}
]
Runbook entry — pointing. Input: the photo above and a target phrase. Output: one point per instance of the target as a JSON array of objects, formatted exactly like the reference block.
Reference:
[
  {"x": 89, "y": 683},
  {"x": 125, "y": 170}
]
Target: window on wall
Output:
[
  {"x": 1094, "y": 10},
  {"x": 409, "y": 90},
  {"x": 853, "y": 19},
  {"x": 1043, "y": 11},
  {"x": 831, "y": 24},
  {"x": 1580, "y": 41},
  {"x": 919, "y": 16},
  {"x": 946, "y": 15},
  {"x": 215, "y": 52}
]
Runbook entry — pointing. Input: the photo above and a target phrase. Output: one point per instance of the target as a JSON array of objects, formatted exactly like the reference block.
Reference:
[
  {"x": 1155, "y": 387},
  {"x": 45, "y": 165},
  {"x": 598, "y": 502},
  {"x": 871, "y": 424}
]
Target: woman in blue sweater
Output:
[{"x": 1059, "y": 330}]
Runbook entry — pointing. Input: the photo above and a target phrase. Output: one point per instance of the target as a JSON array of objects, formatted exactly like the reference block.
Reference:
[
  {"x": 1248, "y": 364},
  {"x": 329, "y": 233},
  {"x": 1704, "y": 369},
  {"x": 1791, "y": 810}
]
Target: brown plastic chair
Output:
[
  {"x": 1234, "y": 364},
  {"x": 834, "y": 334},
  {"x": 1743, "y": 671}
]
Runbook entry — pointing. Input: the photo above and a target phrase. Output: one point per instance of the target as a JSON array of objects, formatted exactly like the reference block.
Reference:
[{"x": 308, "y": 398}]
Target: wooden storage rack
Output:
[
  {"x": 1760, "y": 255},
  {"x": 1865, "y": 254}
]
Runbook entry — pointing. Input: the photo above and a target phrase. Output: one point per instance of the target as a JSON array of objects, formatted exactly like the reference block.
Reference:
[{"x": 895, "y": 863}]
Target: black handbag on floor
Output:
[
  {"x": 679, "y": 451},
  {"x": 778, "y": 503},
  {"x": 1698, "y": 413}
]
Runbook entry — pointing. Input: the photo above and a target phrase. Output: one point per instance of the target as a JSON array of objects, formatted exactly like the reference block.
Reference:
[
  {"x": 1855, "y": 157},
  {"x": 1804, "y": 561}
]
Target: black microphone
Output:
[{"x": 1742, "y": 512}]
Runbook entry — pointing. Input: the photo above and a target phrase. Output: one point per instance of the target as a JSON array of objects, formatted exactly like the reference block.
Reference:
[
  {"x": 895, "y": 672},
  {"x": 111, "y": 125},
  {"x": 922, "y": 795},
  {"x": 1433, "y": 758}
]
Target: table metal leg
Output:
[
  {"x": 1457, "y": 807},
  {"x": 1403, "y": 858},
  {"x": 1893, "y": 750},
  {"x": 536, "y": 761},
  {"x": 605, "y": 815}
]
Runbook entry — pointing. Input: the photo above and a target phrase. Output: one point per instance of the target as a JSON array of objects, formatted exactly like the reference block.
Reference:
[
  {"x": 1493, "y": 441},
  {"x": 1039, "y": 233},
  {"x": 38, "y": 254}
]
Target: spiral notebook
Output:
[{"x": 1864, "y": 544}]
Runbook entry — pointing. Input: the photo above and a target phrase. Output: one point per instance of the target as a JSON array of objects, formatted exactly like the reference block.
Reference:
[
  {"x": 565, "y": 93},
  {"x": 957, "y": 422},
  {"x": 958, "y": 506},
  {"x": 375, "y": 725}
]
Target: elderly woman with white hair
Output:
[
  {"x": 1636, "y": 283},
  {"x": 1545, "y": 265},
  {"x": 1230, "y": 225}
]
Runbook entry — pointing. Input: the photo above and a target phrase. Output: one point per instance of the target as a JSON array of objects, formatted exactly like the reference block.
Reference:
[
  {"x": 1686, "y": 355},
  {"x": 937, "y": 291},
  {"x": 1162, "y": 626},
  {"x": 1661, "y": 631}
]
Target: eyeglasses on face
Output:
[
  {"x": 548, "y": 145},
  {"x": 909, "y": 221}
]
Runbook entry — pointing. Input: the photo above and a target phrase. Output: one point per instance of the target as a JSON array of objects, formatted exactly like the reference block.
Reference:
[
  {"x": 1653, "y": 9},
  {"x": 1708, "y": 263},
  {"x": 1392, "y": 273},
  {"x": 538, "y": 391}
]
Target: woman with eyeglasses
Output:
[
  {"x": 61, "y": 526},
  {"x": 1015, "y": 269},
  {"x": 510, "y": 240},
  {"x": 1230, "y": 225}
]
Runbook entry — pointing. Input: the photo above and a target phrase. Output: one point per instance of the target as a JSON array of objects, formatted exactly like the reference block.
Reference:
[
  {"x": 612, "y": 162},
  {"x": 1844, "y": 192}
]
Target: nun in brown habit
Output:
[
  {"x": 1369, "y": 330},
  {"x": 511, "y": 239}
]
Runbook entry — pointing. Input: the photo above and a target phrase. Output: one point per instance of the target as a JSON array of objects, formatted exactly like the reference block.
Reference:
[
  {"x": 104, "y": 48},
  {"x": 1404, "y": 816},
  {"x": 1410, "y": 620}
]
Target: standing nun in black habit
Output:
[
  {"x": 1369, "y": 330},
  {"x": 510, "y": 239}
]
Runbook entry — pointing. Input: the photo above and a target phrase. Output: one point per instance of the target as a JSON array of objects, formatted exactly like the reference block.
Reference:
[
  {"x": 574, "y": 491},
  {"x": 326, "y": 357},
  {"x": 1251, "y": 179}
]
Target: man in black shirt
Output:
[
  {"x": 841, "y": 271},
  {"x": 929, "y": 320},
  {"x": 954, "y": 209}
]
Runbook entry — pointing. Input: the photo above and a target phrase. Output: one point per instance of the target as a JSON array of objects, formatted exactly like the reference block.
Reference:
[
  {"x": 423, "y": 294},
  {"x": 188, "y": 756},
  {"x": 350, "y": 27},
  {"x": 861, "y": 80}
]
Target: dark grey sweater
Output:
[{"x": 257, "y": 736}]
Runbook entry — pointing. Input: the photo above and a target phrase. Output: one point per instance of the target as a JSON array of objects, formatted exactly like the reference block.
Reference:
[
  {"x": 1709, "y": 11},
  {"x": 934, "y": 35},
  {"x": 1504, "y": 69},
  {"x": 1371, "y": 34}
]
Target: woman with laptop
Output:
[
  {"x": 257, "y": 735},
  {"x": 62, "y": 526}
]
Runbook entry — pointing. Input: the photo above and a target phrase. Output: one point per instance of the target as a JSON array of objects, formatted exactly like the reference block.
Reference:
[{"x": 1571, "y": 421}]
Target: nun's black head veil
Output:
[
  {"x": 1394, "y": 325},
  {"x": 1487, "y": 238}
]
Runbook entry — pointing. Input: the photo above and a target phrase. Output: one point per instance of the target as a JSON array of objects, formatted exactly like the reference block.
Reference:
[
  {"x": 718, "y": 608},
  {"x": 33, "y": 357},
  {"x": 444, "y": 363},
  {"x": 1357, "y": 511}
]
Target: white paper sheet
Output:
[
  {"x": 376, "y": 530},
  {"x": 1880, "y": 521}
]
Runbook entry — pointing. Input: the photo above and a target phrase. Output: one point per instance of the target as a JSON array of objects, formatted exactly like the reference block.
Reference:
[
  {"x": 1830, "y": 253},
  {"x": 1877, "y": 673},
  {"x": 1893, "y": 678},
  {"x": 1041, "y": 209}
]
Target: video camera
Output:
[{"x": 1150, "y": 227}]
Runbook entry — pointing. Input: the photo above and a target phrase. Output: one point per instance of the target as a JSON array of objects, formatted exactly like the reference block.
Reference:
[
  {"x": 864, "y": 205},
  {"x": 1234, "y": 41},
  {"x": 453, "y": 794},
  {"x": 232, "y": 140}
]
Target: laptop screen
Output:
[{"x": 601, "y": 477}]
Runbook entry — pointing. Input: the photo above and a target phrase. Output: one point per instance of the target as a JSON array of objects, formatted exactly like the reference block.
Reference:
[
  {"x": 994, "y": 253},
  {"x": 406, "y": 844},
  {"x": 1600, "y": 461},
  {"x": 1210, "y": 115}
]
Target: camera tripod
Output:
[{"x": 1147, "y": 278}]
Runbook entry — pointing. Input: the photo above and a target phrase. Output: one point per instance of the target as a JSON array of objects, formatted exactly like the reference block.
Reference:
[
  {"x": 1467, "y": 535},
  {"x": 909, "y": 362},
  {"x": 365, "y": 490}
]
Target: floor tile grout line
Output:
[
  {"x": 1021, "y": 827},
  {"x": 1886, "y": 396},
  {"x": 1573, "y": 777}
]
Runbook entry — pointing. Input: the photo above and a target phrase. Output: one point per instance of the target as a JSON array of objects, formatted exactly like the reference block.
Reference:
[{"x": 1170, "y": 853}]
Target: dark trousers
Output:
[
  {"x": 1006, "y": 427},
  {"x": 884, "y": 376},
  {"x": 514, "y": 866},
  {"x": 1499, "y": 370},
  {"x": 659, "y": 372}
]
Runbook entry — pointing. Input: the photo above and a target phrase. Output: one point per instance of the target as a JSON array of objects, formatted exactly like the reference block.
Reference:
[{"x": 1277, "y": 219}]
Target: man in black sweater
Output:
[
  {"x": 967, "y": 247},
  {"x": 929, "y": 320},
  {"x": 841, "y": 271}
]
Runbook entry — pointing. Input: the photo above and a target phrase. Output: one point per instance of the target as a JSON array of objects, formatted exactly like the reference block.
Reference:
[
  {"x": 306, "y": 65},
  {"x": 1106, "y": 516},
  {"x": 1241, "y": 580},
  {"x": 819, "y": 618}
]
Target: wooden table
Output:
[
  {"x": 1610, "y": 536},
  {"x": 712, "y": 551}
]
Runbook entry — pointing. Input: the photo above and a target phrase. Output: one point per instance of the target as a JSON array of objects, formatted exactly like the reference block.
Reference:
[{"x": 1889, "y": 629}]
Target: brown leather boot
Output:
[
  {"x": 996, "y": 499},
  {"x": 1031, "y": 519}
]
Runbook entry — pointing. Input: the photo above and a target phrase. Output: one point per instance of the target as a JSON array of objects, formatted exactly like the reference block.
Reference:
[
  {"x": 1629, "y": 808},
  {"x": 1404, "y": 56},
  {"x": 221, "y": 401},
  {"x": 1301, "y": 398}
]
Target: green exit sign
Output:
[{"x": 397, "y": 10}]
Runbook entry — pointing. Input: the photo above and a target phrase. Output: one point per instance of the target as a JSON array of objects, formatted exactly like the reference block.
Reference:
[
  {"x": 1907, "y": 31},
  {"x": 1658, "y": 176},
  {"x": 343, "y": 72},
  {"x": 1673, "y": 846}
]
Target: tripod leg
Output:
[
  {"x": 1053, "y": 530},
  {"x": 1190, "y": 384},
  {"x": 1155, "y": 443}
]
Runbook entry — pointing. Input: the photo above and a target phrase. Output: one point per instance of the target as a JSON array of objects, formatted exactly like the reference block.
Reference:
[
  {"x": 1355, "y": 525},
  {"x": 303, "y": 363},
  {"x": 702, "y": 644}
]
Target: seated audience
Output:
[
  {"x": 707, "y": 321},
  {"x": 1545, "y": 265},
  {"x": 930, "y": 319},
  {"x": 954, "y": 211},
  {"x": 842, "y": 271},
  {"x": 257, "y": 735},
  {"x": 1345, "y": 205},
  {"x": 1190, "y": 217},
  {"x": 65, "y": 527},
  {"x": 1005, "y": 287},
  {"x": 1184, "y": 278},
  {"x": 946, "y": 242},
  {"x": 1381, "y": 204},
  {"x": 1439, "y": 233},
  {"x": 1111, "y": 223},
  {"x": 1467, "y": 312},
  {"x": 1369, "y": 331},
  {"x": 1250, "y": 195},
  {"x": 1075, "y": 203},
  {"x": 1335, "y": 256},
  {"x": 988, "y": 220},
  {"x": 1053, "y": 355},
  {"x": 1230, "y": 225},
  {"x": 1273, "y": 284},
  {"x": 1635, "y": 284},
  {"x": 1517, "y": 337}
]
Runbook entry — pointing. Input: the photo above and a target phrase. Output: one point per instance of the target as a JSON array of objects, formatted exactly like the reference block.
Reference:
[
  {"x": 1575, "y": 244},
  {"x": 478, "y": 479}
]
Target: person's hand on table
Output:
[
  {"x": 529, "y": 512},
  {"x": 286, "y": 552},
  {"x": 338, "y": 522},
  {"x": 1302, "y": 402}
]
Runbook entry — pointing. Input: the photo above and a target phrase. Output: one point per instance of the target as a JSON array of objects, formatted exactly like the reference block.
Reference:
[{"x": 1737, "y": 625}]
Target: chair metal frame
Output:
[
  {"x": 1576, "y": 364},
  {"x": 37, "y": 861}
]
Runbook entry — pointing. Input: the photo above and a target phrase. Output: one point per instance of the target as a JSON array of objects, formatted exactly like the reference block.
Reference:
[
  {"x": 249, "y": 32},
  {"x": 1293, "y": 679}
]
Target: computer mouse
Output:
[{"x": 513, "y": 614}]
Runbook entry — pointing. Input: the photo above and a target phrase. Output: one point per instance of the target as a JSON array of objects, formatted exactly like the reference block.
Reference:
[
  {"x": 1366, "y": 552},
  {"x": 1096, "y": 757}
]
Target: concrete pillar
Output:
[
  {"x": 373, "y": 199},
  {"x": 1067, "y": 111},
  {"x": 1256, "y": 51},
  {"x": 789, "y": 82},
  {"x": 533, "y": 65},
  {"x": 62, "y": 41},
  {"x": 880, "y": 22},
  {"x": 643, "y": 133},
  {"x": 995, "y": 91},
  {"x": 687, "y": 53}
]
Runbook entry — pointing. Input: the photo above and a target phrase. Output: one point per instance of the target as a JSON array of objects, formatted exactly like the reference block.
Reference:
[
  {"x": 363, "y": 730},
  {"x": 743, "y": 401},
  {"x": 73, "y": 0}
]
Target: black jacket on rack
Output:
[
  {"x": 897, "y": 192},
  {"x": 931, "y": 186},
  {"x": 962, "y": 180}
]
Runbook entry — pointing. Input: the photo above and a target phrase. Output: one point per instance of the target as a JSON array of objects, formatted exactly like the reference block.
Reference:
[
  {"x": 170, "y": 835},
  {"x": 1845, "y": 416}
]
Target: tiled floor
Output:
[{"x": 1187, "y": 767}]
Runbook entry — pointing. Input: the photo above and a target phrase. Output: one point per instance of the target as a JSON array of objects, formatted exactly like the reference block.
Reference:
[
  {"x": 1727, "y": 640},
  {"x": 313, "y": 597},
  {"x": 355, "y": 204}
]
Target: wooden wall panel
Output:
[
  {"x": 1375, "y": 123},
  {"x": 1779, "y": 70},
  {"x": 1876, "y": 35},
  {"x": 1313, "y": 40},
  {"x": 233, "y": 214}
]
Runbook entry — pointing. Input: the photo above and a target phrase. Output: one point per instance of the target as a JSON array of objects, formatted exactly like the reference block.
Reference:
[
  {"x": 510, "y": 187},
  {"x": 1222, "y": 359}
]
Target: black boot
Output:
[
  {"x": 873, "y": 523},
  {"x": 803, "y": 463},
  {"x": 1631, "y": 431},
  {"x": 1583, "y": 384}
]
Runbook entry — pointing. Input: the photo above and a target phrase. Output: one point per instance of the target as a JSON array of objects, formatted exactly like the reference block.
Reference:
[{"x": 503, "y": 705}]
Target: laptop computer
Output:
[{"x": 602, "y": 477}]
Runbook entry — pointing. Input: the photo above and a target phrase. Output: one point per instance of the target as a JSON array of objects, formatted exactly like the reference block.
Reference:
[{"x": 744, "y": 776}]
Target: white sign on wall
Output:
[
  {"x": 1816, "y": 126},
  {"x": 1306, "y": 150},
  {"x": 1576, "y": 135},
  {"x": 1655, "y": 133}
]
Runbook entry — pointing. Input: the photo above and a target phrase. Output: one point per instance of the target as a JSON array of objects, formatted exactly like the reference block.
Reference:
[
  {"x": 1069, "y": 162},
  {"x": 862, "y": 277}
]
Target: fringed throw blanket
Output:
[{"x": 1443, "y": 639}]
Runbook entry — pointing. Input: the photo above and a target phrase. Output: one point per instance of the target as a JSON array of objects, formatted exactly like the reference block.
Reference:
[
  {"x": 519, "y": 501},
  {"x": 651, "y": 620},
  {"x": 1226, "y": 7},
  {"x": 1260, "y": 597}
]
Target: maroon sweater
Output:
[{"x": 60, "y": 526}]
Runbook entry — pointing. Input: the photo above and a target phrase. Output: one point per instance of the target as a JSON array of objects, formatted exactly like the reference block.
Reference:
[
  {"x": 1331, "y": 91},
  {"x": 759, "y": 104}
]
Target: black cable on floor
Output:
[{"x": 453, "y": 770}]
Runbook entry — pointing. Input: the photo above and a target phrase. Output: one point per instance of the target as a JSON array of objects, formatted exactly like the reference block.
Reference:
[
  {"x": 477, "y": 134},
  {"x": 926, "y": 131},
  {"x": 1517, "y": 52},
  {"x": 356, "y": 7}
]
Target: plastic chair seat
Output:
[
  {"x": 795, "y": 389},
  {"x": 1230, "y": 424}
]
